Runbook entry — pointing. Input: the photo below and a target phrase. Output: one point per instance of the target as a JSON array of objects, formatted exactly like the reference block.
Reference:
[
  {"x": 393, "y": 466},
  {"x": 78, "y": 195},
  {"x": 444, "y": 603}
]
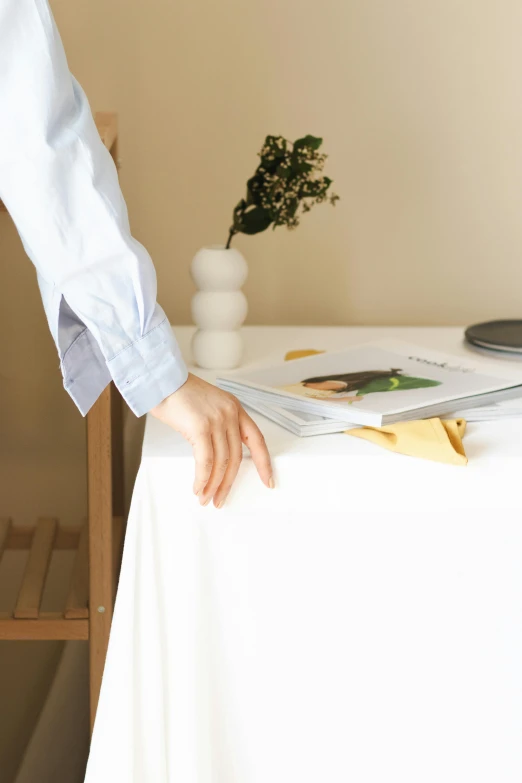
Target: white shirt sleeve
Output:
[{"x": 61, "y": 188}]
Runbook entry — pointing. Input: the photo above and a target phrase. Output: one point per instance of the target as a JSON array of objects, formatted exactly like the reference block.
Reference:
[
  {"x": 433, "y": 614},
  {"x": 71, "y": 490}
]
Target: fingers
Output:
[
  {"x": 218, "y": 453},
  {"x": 235, "y": 455},
  {"x": 252, "y": 438},
  {"x": 220, "y": 464},
  {"x": 204, "y": 457}
]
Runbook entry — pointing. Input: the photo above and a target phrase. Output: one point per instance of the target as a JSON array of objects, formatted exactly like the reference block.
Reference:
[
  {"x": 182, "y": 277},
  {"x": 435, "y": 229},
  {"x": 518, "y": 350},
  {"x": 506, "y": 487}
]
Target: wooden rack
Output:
[{"x": 87, "y": 613}]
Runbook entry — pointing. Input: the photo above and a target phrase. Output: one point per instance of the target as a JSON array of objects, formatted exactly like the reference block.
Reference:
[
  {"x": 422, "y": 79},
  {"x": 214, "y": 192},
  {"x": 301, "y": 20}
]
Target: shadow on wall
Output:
[
  {"x": 26, "y": 670},
  {"x": 59, "y": 745}
]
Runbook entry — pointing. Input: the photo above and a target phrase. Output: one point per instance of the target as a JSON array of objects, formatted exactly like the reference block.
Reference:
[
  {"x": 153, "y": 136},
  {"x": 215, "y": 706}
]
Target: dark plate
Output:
[{"x": 496, "y": 335}]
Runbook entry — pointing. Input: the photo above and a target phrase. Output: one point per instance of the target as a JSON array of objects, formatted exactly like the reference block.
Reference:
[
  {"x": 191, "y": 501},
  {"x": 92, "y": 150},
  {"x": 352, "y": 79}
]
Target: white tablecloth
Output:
[{"x": 361, "y": 623}]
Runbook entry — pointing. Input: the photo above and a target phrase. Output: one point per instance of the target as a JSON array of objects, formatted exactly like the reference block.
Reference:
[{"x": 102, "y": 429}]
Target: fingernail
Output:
[
  {"x": 271, "y": 482},
  {"x": 207, "y": 501},
  {"x": 221, "y": 503}
]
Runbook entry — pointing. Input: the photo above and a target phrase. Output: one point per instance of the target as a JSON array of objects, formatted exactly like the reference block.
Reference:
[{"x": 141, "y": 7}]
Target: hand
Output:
[{"x": 215, "y": 424}]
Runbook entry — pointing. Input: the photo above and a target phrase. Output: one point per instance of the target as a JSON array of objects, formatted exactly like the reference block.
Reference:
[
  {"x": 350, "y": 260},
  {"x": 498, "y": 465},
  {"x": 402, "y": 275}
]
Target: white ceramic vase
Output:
[{"x": 219, "y": 307}]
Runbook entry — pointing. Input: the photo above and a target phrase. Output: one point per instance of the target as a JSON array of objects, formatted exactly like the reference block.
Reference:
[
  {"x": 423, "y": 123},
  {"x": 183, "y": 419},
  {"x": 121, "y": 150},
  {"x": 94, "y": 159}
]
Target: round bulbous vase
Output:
[{"x": 219, "y": 307}]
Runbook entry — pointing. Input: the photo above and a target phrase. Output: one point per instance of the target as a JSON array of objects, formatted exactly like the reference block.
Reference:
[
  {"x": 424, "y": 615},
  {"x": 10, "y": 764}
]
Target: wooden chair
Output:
[{"x": 87, "y": 613}]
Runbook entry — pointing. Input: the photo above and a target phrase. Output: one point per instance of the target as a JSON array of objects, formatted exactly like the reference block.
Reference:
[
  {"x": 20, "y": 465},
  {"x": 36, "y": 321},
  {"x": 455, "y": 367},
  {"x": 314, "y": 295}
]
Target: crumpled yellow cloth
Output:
[{"x": 439, "y": 440}]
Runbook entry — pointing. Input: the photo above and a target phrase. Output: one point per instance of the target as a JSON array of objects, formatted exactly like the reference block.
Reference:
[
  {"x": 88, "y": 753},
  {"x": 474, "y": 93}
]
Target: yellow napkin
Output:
[{"x": 434, "y": 439}]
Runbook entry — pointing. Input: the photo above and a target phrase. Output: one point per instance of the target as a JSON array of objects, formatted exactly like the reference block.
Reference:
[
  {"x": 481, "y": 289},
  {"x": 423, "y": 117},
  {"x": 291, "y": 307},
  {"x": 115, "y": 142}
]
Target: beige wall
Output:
[{"x": 421, "y": 110}]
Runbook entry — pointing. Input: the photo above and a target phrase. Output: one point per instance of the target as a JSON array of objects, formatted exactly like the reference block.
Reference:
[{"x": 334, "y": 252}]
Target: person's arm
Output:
[
  {"x": 61, "y": 188},
  {"x": 98, "y": 283}
]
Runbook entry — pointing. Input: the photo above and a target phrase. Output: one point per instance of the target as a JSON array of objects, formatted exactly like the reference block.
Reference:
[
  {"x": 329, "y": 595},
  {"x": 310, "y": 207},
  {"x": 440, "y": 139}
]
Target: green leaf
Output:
[
  {"x": 308, "y": 141},
  {"x": 284, "y": 170},
  {"x": 239, "y": 209},
  {"x": 299, "y": 166},
  {"x": 253, "y": 220},
  {"x": 254, "y": 187}
]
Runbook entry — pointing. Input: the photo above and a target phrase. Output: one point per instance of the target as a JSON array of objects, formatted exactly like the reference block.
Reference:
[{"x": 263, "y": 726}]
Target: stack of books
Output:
[{"x": 376, "y": 384}]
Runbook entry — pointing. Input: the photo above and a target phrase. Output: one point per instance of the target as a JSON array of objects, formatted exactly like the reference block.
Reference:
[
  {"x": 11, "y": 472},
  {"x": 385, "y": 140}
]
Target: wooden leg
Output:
[{"x": 100, "y": 539}]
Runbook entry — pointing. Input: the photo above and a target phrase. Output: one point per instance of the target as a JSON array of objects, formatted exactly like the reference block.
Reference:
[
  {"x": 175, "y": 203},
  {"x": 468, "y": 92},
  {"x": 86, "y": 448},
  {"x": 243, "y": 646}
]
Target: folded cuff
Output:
[
  {"x": 145, "y": 373},
  {"x": 149, "y": 370}
]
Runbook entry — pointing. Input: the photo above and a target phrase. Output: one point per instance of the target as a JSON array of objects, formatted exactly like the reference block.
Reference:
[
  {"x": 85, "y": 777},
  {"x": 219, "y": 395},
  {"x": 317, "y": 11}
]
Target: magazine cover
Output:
[{"x": 375, "y": 383}]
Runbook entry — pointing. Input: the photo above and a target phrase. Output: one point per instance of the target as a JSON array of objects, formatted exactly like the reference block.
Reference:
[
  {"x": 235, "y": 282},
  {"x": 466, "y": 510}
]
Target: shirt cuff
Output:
[{"x": 149, "y": 370}]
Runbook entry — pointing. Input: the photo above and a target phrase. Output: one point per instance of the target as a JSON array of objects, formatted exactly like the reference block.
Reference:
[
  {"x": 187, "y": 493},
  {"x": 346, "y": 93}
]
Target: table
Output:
[{"x": 361, "y": 623}]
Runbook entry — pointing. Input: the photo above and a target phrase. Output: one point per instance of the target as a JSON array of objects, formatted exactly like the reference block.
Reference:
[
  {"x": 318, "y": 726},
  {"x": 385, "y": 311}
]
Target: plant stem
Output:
[{"x": 232, "y": 232}]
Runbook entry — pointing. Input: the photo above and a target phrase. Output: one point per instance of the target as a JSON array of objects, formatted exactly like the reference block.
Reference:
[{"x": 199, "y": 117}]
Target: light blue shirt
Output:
[{"x": 60, "y": 186}]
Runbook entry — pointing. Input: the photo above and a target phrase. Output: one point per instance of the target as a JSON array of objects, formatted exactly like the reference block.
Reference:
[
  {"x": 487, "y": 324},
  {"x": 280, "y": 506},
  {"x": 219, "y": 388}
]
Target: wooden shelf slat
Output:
[
  {"x": 49, "y": 626},
  {"x": 5, "y": 527},
  {"x": 77, "y": 604},
  {"x": 33, "y": 581},
  {"x": 107, "y": 124},
  {"x": 21, "y": 537}
]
